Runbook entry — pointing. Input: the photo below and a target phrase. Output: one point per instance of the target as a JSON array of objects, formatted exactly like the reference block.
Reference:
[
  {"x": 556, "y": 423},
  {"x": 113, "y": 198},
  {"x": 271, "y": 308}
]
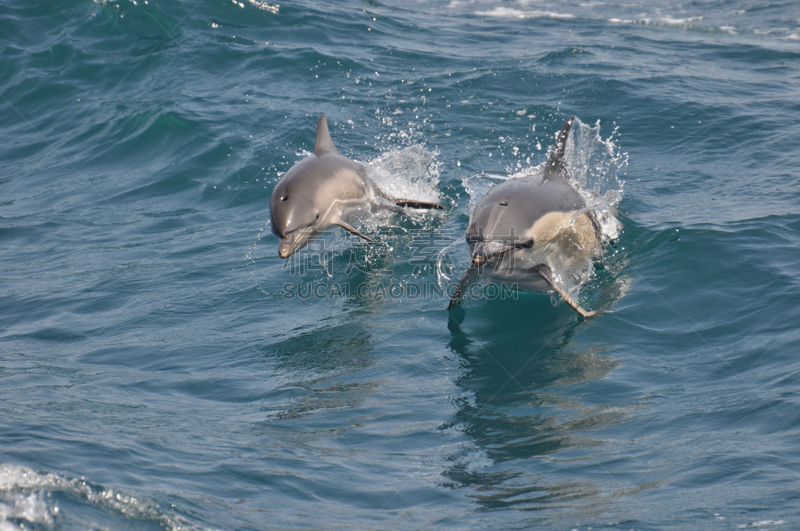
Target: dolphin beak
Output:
[
  {"x": 479, "y": 258},
  {"x": 488, "y": 250},
  {"x": 285, "y": 248},
  {"x": 294, "y": 241}
]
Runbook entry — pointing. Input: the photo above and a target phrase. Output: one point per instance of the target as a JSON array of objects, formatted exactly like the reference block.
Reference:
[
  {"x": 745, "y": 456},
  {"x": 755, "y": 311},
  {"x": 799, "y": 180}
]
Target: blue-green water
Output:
[{"x": 162, "y": 368}]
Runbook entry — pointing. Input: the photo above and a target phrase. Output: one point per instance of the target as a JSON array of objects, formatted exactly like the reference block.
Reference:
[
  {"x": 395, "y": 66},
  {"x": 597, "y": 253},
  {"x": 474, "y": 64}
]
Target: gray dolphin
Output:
[
  {"x": 534, "y": 230},
  {"x": 323, "y": 190}
]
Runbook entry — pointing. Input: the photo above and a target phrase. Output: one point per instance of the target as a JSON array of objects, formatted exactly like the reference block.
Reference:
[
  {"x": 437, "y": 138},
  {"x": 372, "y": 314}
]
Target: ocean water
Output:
[{"x": 162, "y": 368}]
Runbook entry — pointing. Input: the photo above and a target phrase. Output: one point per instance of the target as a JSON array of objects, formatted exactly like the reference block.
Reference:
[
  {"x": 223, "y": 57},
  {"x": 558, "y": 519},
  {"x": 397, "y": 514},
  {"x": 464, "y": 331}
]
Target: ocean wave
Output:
[{"x": 39, "y": 499}]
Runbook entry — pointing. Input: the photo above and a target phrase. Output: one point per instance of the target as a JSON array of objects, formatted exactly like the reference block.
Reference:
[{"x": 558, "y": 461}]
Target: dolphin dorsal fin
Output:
[
  {"x": 556, "y": 164},
  {"x": 324, "y": 143}
]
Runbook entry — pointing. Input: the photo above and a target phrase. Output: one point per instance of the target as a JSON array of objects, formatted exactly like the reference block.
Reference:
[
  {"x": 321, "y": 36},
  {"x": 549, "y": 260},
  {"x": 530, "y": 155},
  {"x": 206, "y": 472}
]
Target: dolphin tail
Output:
[
  {"x": 547, "y": 274},
  {"x": 556, "y": 165},
  {"x": 455, "y": 300},
  {"x": 351, "y": 229},
  {"x": 412, "y": 203}
]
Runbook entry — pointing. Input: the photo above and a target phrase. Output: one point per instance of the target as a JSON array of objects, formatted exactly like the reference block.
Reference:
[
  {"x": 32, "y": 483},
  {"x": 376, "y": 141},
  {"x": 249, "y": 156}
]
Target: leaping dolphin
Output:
[
  {"x": 533, "y": 231},
  {"x": 323, "y": 190}
]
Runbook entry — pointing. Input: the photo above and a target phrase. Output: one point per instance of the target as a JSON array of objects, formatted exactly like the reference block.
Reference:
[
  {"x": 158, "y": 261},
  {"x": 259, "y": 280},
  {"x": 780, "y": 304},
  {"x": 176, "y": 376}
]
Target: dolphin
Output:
[
  {"x": 533, "y": 231},
  {"x": 323, "y": 190}
]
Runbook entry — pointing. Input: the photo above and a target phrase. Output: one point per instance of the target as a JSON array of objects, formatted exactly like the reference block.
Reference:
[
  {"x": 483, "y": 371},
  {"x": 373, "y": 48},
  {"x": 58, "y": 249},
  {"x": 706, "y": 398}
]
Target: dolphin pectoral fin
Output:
[
  {"x": 345, "y": 226},
  {"x": 547, "y": 274},
  {"x": 455, "y": 300}
]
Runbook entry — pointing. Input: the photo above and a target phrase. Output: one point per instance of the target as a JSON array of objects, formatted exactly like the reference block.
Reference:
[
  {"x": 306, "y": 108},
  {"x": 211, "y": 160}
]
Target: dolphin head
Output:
[
  {"x": 499, "y": 224},
  {"x": 295, "y": 215}
]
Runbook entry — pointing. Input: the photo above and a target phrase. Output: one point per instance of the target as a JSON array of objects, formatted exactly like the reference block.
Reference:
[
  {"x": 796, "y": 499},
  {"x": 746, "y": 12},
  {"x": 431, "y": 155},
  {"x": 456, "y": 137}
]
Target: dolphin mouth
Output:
[
  {"x": 487, "y": 251},
  {"x": 295, "y": 240}
]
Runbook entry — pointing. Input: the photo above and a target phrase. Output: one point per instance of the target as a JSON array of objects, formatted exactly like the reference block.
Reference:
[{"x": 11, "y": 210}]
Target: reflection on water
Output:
[
  {"x": 524, "y": 414},
  {"x": 316, "y": 366}
]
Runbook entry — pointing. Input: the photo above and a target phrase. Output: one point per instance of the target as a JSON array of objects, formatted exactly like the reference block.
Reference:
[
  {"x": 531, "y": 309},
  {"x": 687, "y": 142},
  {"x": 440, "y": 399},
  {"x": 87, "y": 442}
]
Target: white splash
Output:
[
  {"x": 407, "y": 173},
  {"x": 272, "y": 8},
  {"x": 595, "y": 165},
  {"x": 26, "y": 509},
  {"x": 510, "y": 12},
  {"x": 659, "y": 21},
  {"x": 763, "y": 523}
]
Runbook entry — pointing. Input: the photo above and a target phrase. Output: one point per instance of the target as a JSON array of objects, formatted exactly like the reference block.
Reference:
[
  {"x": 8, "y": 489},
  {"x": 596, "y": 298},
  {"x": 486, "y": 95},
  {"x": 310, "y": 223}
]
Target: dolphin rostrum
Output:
[
  {"x": 323, "y": 190},
  {"x": 534, "y": 231}
]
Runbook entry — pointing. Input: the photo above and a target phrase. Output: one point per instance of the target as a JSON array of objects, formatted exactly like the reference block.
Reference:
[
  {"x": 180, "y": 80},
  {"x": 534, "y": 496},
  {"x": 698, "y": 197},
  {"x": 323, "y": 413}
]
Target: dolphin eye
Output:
[
  {"x": 317, "y": 215},
  {"x": 503, "y": 203},
  {"x": 526, "y": 244},
  {"x": 284, "y": 197}
]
